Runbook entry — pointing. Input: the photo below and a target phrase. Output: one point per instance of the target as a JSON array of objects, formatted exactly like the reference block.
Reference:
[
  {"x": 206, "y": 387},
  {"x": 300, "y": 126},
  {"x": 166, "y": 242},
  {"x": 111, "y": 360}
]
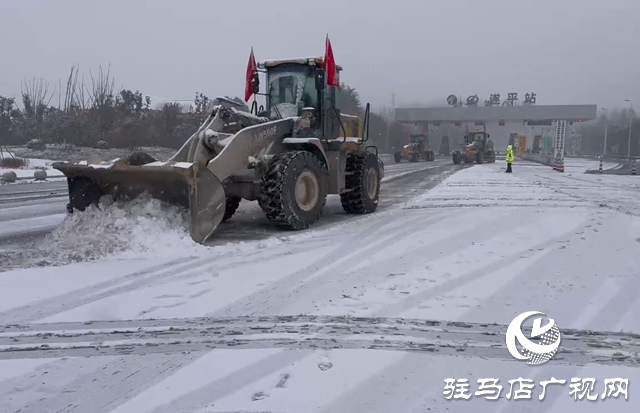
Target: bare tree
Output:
[
  {"x": 36, "y": 98},
  {"x": 74, "y": 97},
  {"x": 101, "y": 94}
]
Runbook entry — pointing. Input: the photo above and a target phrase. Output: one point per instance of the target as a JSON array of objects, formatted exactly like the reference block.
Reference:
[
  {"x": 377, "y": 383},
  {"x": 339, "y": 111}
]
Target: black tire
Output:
[
  {"x": 457, "y": 158},
  {"x": 363, "y": 171},
  {"x": 231, "y": 206},
  {"x": 479, "y": 157},
  {"x": 279, "y": 190},
  {"x": 432, "y": 156},
  {"x": 397, "y": 157}
]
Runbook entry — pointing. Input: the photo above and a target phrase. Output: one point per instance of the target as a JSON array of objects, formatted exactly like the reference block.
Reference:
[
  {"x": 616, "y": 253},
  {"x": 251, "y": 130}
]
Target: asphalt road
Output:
[{"x": 28, "y": 212}]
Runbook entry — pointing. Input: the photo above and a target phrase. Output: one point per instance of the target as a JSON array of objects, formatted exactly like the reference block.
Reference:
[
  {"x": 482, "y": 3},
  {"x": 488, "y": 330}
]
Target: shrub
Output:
[{"x": 10, "y": 162}]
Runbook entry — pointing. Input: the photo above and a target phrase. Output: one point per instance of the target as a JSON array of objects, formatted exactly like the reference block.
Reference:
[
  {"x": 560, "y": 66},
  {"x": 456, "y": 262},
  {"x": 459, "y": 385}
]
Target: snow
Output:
[
  {"x": 17, "y": 226},
  {"x": 143, "y": 227},
  {"x": 348, "y": 369},
  {"x": 217, "y": 329},
  {"x": 27, "y": 171},
  {"x": 44, "y": 284},
  {"x": 213, "y": 367}
]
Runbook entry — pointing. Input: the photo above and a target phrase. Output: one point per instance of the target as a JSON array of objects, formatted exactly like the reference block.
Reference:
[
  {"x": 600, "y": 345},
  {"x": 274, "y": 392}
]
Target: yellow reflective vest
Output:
[{"x": 510, "y": 157}]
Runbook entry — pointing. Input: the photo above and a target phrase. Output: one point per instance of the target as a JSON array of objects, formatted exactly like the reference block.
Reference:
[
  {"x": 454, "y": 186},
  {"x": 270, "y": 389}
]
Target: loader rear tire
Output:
[
  {"x": 294, "y": 190},
  {"x": 363, "y": 180},
  {"x": 231, "y": 206},
  {"x": 397, "y": 157}
]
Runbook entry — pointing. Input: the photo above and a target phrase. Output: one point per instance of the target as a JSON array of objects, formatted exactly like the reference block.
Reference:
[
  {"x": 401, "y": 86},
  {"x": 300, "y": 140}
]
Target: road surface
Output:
[
  {"x": 31, "y": 211},
  {"x": 370, "y": 314}
]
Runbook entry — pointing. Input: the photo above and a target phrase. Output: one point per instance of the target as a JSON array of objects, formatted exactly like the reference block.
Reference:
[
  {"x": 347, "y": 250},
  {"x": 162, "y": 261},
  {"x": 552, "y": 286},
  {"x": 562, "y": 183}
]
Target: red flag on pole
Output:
[
  {"x": 252, "y": 67},
  {"x": 330, "y": 65}
]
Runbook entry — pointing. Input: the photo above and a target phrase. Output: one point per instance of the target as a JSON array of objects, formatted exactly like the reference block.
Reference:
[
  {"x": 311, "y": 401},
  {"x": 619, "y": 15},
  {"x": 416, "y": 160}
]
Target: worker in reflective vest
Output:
[{"x": 510, "y": 158}]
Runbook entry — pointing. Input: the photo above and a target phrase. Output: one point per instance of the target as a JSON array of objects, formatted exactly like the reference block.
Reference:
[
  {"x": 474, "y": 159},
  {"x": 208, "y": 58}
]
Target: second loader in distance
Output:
[
  {"x": 477, "y": 148},
  {"x": 417, "y": 150}
]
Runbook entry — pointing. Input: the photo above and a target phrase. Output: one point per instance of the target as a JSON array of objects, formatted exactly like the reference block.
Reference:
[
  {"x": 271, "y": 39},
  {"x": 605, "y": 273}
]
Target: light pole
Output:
[
  {"x": 630, "y": 120},
  {"x": 606, "y": 123}
]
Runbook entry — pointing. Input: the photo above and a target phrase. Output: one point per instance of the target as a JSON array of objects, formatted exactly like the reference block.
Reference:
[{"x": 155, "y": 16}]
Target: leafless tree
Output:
[
  {"x": 36, "y": 98},
  {"x": 102, "y": 90},
  {"x": 74, "y": 97}
]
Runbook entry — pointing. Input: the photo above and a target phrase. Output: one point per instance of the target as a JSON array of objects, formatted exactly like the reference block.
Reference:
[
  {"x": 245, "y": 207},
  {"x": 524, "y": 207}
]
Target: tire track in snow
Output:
[
  {"x": 181, "y": 268},
  {"x": 620, "y": 304},
  {"x": 377, "y": 273},
  {"x": 59, "y": 303},
  {"x": 120, "y": 380},
  {"x": 306, "y": 332},
  {"x": 198, "y": 399},
  {"x": 281, "y": 288},
  {"x": 264, "y": 304},
  {"x": 415, "y": 256},
  {"x": 466, "y": 278},
  {"x": 335, "y": 260},
  {"x": 562, "y": 188}
]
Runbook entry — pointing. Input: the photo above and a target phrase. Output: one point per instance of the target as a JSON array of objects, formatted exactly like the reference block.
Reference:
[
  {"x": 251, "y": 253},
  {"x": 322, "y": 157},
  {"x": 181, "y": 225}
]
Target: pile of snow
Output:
[{"x": 142, "y": 227}]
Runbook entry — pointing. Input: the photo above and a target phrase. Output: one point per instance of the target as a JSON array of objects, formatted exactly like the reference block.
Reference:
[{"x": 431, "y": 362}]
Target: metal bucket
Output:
[{"x": 190, "y": 185}]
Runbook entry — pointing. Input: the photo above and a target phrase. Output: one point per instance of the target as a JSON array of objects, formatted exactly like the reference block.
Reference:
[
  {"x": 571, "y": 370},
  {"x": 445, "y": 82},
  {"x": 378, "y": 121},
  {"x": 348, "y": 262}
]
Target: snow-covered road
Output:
[
  {"x": 29, "y": 212},
  {"x": 369, "y": 314}
]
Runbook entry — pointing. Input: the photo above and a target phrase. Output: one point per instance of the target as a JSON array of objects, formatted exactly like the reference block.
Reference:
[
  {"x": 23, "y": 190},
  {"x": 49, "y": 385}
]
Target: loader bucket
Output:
[{"x": 191, "y": 185}]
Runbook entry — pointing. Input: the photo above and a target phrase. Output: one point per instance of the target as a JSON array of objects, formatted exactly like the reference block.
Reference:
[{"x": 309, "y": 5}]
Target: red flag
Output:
[
  {"x": 252, "y": 67},
  {"x": 330, "y": 65}
]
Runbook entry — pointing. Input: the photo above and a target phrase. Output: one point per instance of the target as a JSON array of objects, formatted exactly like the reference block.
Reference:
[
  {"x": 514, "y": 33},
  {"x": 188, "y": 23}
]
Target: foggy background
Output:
[{"x": 567, "y": 51}]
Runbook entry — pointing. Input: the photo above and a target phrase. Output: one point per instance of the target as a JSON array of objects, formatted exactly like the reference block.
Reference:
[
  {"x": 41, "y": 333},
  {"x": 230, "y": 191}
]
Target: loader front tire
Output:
[
  {"x": 363, "y": 180},
  {"x": 294, "y": 190},
  {"x": 231, "y": 206}
]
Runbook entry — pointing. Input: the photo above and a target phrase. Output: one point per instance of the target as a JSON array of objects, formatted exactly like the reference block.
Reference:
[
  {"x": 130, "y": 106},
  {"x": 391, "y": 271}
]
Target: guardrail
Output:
[
  {"x": 543, "y": 159},
  {"x": 608, "y": 157}
]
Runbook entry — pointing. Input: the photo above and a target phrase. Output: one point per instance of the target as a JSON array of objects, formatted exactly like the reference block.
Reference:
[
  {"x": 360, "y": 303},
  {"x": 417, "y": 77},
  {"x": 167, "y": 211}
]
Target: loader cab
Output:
[
  {"x": 418, "y": 138},
  {"x": 472, "y": 137},
  {"x": 297, "y": 87}
]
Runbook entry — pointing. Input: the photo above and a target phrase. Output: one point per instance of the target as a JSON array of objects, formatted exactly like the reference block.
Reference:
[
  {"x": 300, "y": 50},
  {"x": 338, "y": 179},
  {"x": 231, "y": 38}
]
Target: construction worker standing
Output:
[{"x": 510, "y": 158}]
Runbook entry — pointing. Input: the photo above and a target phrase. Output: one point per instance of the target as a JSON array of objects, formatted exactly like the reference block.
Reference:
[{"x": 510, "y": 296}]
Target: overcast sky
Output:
[{"x": 566, "y": 51}]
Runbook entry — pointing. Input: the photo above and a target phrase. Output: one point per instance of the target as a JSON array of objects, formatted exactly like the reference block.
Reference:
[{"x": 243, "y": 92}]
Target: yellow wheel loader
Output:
[
  {"x": 477, "y": 148},
  {"x": 417, "y": 150},
  {"x": 287, "y": 157}
]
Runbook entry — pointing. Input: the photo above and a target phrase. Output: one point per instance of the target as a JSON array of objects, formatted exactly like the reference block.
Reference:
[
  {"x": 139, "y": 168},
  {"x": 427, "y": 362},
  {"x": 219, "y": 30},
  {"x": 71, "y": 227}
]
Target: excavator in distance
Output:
[
  {"x": 477, "y": 148},
  {"x": 288, "y": 157}
]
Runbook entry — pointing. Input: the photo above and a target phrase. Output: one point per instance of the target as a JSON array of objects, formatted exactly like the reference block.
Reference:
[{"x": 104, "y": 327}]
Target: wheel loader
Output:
[
  {"x": 417, "y": 150},
  {"x": 477, "y": 148},
  {"x": 289, "y": 156}
]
